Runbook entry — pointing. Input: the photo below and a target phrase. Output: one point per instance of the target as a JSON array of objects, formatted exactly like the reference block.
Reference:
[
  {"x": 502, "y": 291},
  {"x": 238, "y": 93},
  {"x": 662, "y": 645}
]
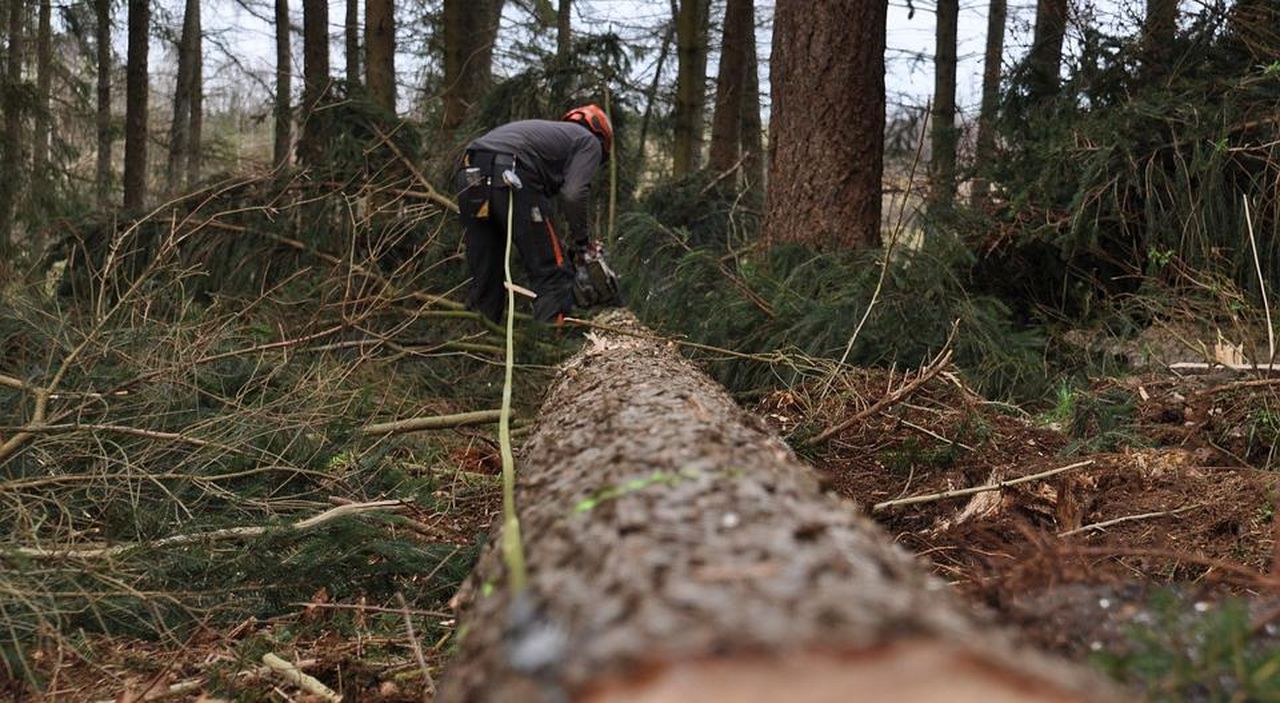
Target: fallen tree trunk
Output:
[{"x": 678, "y": 551}]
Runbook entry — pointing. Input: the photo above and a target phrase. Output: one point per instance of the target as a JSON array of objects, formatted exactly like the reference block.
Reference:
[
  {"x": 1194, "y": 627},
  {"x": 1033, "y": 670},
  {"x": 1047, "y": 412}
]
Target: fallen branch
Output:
[
  {"x": 192, "y": 685},
  {"x": 298, "y": 678},
  {"x": 1127, "y": 518},
  {"x": 435, "y": 422},
  {"x": 926, "y": 375},
  {"x": 961, "y": 492},
  {"x": 225, "y": 533}
]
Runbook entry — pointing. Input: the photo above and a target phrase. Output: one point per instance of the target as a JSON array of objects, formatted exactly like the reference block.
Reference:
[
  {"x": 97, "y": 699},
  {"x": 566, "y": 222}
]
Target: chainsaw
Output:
[{"x": 594, "y": 283}]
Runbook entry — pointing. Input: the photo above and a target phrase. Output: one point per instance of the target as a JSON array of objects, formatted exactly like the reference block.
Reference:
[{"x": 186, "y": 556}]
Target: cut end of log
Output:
[{"x": 903, "y": 672}]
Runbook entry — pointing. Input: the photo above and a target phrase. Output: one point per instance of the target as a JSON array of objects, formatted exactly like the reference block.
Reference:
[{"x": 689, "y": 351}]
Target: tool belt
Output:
[{"x": 479, "y": 176}]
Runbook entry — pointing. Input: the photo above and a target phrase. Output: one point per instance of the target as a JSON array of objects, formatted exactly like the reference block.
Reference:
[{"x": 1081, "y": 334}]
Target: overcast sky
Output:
[{"x": 910, "y": 41}]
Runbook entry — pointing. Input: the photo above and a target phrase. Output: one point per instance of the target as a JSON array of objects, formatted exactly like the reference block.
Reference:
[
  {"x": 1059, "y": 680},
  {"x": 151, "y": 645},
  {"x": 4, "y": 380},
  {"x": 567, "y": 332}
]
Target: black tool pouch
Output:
[{"x": 474, "y": 191}]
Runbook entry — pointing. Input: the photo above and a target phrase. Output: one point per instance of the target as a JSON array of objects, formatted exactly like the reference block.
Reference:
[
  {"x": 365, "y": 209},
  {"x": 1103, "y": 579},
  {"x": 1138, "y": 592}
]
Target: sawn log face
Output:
[{"x": 664, "y": 524}]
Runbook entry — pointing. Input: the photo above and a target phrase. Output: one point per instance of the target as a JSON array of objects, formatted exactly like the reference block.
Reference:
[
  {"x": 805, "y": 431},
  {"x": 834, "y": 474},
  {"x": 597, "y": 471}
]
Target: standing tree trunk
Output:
[
  {"x": 44, "y": 84},
  {"x": 564, "y": 32},
  {"x": 826, "y": 144},
  {"x": 1158, "y": 31},
  {"x": 985, "y": 149},
  {"x": 680, "y": 552},
  {"x": 945, "y": 136},
  {"x": 195, "y": 133},
  {"x": 731, "y": 86},
  {"x": 470, "y": 29},
  {"x": 692, "y": 17},
  {"x": 752, "y": 130},
  {"x": 352, "y": 30},
  {"x": 11, "y": 181},
  {"x": 380, "y": 42},
  {"x": 1045, "y": 60},
  {"x": 102, "y": 41},
  {"x": 135, "y": 115},
  {"x": 284, "y": 85},
  {"x": 180, "y": 129},
  {"x": 315, "y": 78}
]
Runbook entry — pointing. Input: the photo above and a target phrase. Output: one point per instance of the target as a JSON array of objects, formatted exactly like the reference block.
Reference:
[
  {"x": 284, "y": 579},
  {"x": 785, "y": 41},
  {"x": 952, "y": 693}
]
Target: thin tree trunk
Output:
[
  {"x": 102, "y": 39},
  {"x": 44, "y": 84},
  {"x": 196, "y": 131},
  {"x": 284, "y": 85},
  {"x": 680, "y": 552},
  {"x": 1158, "y": 31},
  {"x": 651, "y": 94},
  {"x": 315, "y": 78},
  {"x": 731, "y": 84},
  {"x": 380, "y": 42},
  {"x": 470, "y": 29},
  {"x": 352, "y": 30},
  {"x": 985, "y": 148},
  {"x": 753, "y": 165},
  {"x": 564, "y": 32},
  {"x": 692, "y": 17},
  {"x": 944, "y": 135},
  {"x": 1045, "y": 59},
  {"x": 11, "y": 181},
  {"x": 180, "y": 128},
  {"x": 826, "y": 145},
  {"x": 135, "y": 116}
]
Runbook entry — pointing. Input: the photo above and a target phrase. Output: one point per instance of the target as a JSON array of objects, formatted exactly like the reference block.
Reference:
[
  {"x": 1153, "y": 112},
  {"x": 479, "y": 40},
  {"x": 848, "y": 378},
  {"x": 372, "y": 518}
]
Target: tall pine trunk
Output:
[
  {"x": 380, "y": 43},
  {"x": 731, "y": 85},
  {"x": 102, "y": 43},
  {"x": 44, "y": 85},
  {"x": 11, "y": 181},
  {"x": 752, "y": 130},
  {"x": 691, "y": 83},
  {"x": 1045, "y": 60},
  {"x": 284, "y": 85},
  {"x": 135, "y": 115},
  {"x": 180, "y": 128},
  {"x": 984, "y": 151},
  {"x": 315, "y": 78},
  {"x": 826, "y": 143},
  {"x": 470, "y": 29},
  {"x": 1159, "y": 28},
  {"x": 351, "y": 28},
  {"x": 944, "y": 133},
  {"x": 564, "y": 32},
  {"x": 196, "y": 130}
]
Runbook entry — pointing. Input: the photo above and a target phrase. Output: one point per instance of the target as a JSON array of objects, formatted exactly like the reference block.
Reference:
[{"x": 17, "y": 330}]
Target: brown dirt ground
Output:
[{"x": 1199, "y": 502}]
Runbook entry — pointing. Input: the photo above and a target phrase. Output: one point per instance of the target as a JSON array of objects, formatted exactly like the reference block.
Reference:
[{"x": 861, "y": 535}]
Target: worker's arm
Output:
[{"x": 575, "y": 194}]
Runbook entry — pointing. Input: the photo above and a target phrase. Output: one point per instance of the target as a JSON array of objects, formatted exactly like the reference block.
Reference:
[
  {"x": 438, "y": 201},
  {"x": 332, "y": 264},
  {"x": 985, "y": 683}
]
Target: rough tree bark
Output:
[
  {"x": 676, "y": 546},
  {"x": 44, "y": 84},
  {"x": 180, "y": 128},
  {"x": 1044, "y": 62},
  {"x": 102, "y": 41},
  {"x": 284, "y": 85},
  {"x": 11, "y": 182},
  {"x": 826, "y": 144},
  {"x": 351, "y": 29},
  {"x": 1159, "y": 28},
  {"x": 564, "y": 32},
  {"x": 752, "y": 129},
  {"x": 195, "y": 132},
  {"x": 470, "y": 29},
  {"x": 135, "y": 115},
  {"x": 944, "y": 136},
  {"x": 731, "y": 86},
  {"x": 984, "y": 150},
  {"x": 380, "y": 43},
  {"x": 692, "y": 17},
  {"x": 315, "y": 78}
]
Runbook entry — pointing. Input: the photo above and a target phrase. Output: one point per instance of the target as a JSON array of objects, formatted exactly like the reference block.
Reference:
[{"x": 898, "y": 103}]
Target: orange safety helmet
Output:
[{"x": 594, "y": 119}]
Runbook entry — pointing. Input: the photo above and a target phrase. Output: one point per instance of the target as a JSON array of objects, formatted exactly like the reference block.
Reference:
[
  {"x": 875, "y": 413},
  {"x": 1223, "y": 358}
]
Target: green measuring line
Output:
[{"x": 512, "y": 545}]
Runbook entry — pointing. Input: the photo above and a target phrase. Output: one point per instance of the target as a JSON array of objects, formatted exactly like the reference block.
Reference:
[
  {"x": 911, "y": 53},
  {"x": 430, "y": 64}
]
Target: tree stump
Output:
[{"x": 679, "y": 551}]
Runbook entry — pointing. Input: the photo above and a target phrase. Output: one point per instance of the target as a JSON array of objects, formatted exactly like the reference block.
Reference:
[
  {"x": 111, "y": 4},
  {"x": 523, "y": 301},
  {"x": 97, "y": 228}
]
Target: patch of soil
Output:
[{"x": 1188, "y": 510}]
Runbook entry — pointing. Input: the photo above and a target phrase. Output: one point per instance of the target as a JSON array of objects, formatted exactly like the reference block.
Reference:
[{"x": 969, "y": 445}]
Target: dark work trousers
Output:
[{"x": 540, "y": 253}]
